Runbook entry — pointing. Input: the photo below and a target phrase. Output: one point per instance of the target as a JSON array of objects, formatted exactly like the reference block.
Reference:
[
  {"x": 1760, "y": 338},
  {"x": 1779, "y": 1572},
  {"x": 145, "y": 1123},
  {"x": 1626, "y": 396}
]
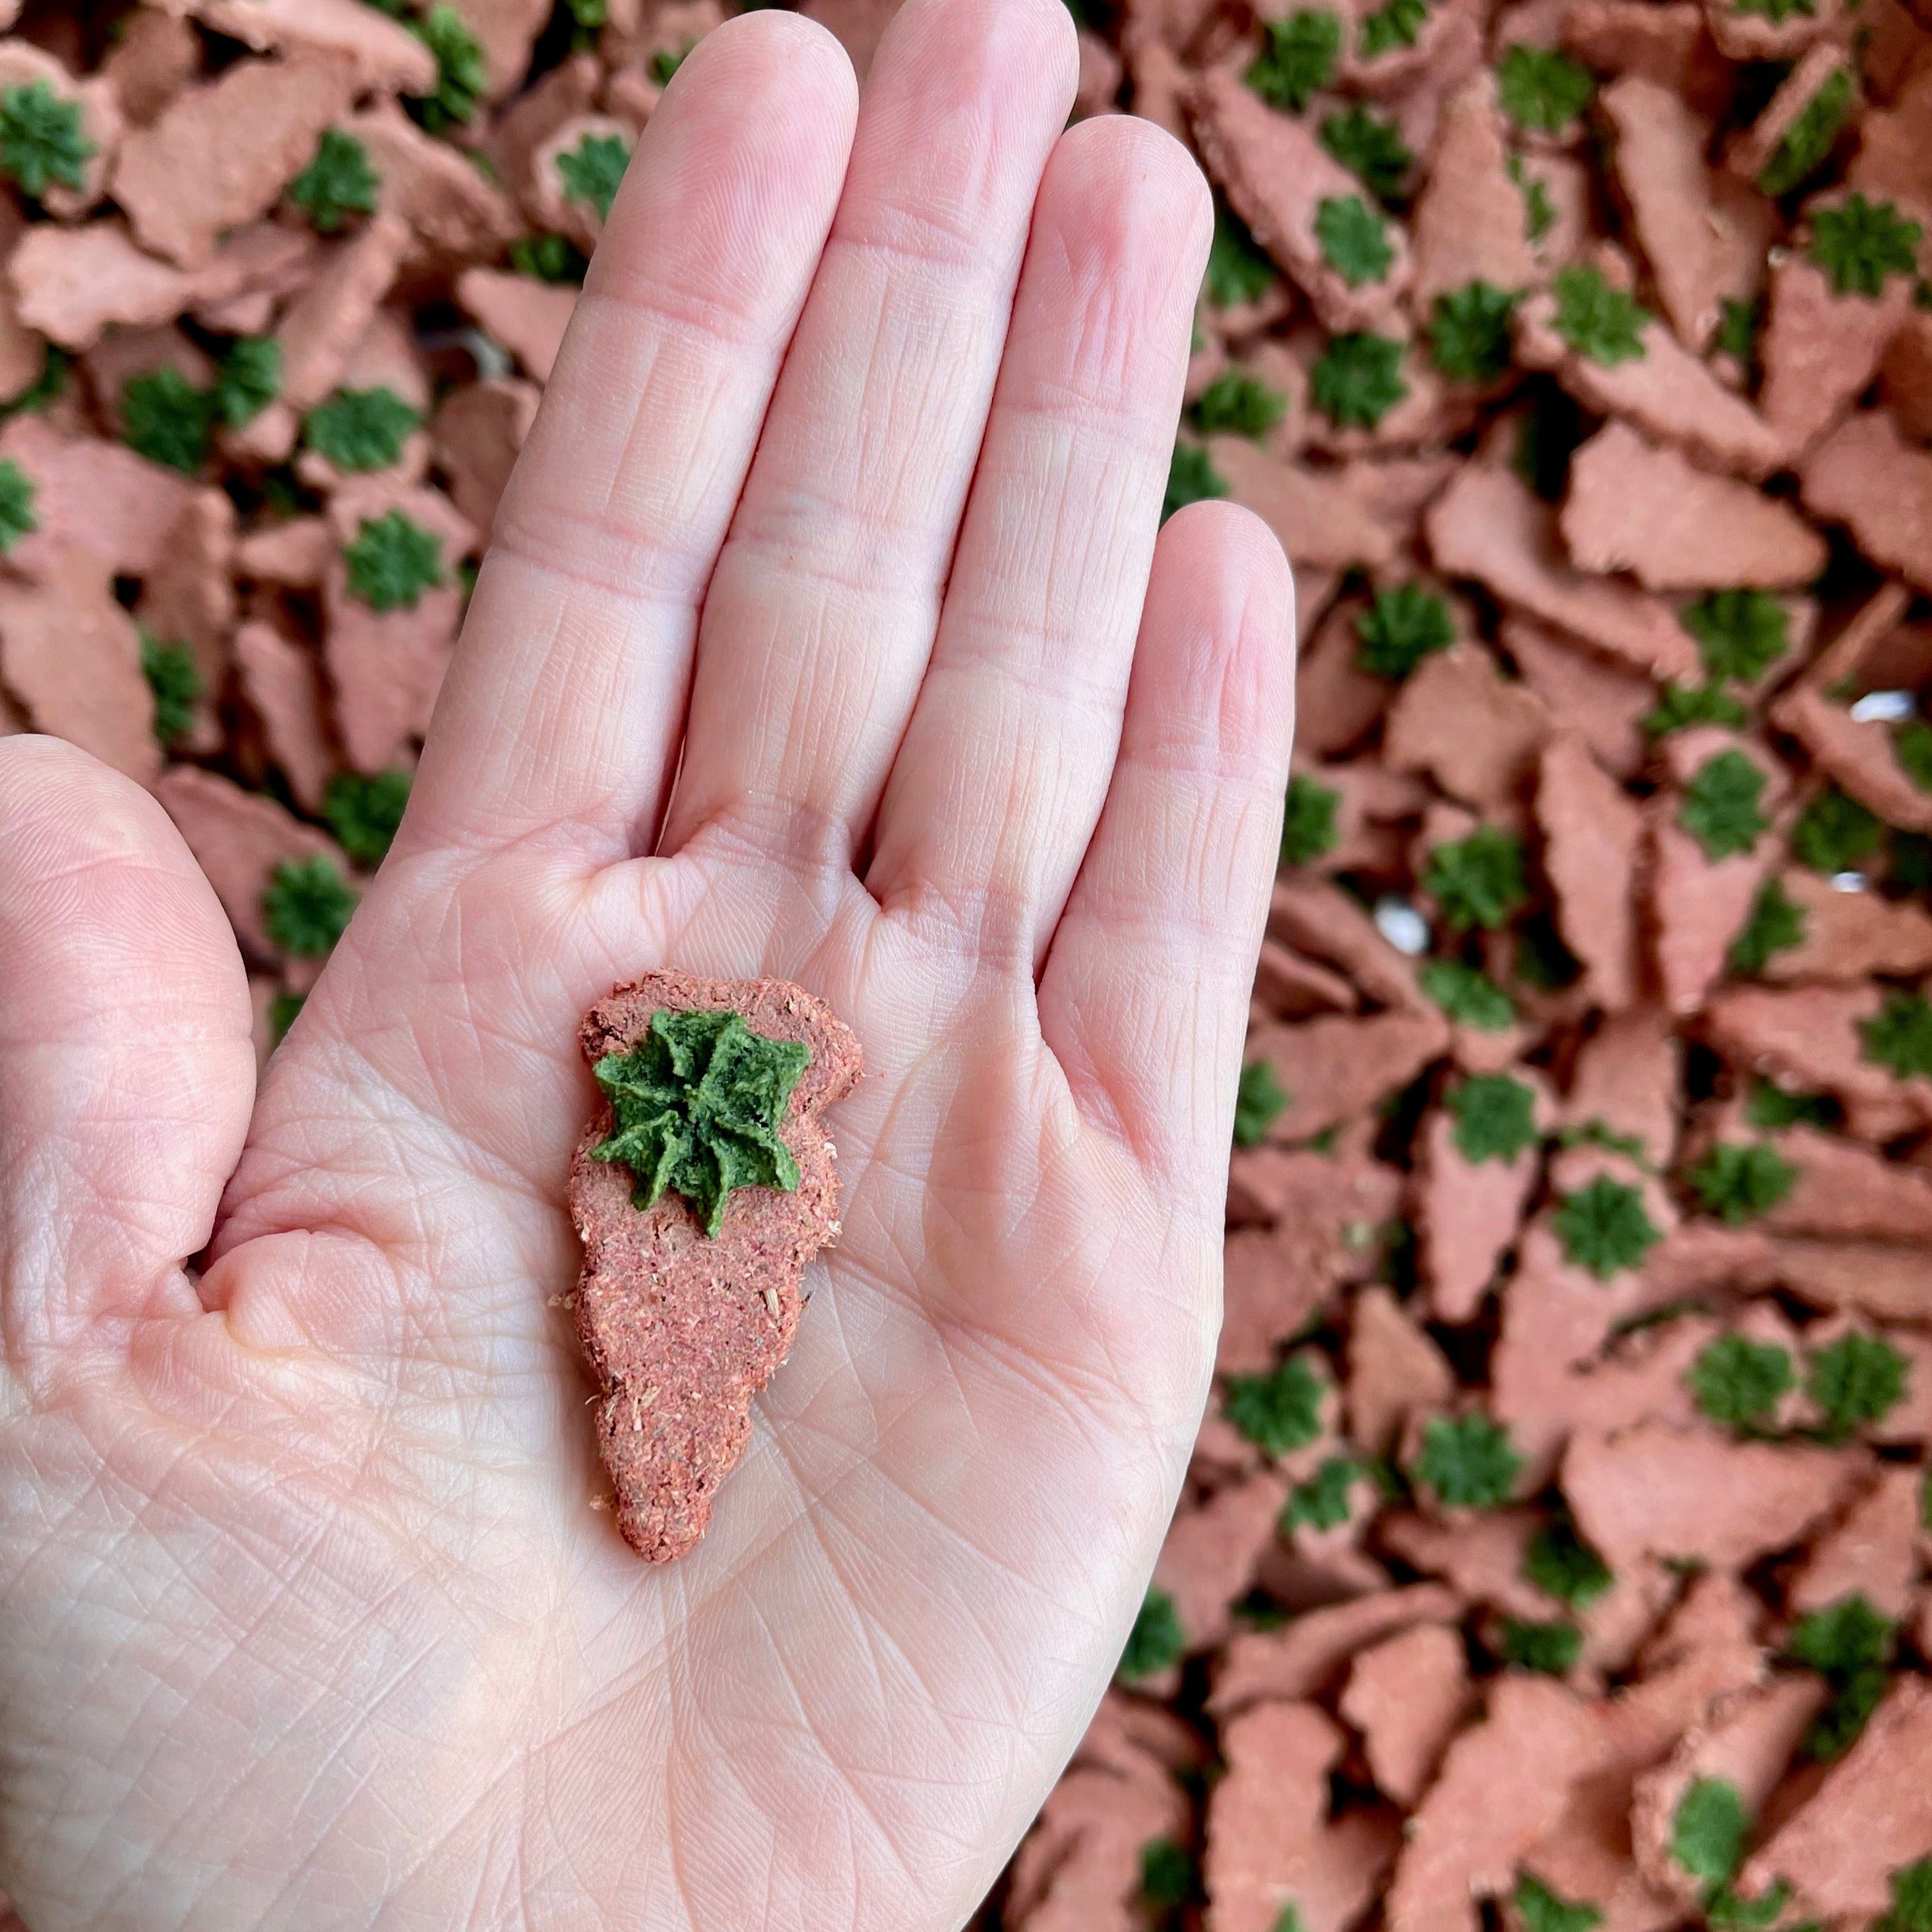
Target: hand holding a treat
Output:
[{"x": 828, "y": 637}]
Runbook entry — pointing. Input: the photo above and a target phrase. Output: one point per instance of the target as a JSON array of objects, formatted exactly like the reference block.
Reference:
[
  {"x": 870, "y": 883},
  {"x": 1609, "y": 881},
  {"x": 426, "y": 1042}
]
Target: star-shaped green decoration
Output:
[{"x": 697, "y": 1103}]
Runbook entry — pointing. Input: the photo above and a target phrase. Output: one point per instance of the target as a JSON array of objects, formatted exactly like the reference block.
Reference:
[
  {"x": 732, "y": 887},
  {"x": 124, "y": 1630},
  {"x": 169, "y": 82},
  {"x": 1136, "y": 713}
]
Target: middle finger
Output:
[{"x": 824, "y": 602}]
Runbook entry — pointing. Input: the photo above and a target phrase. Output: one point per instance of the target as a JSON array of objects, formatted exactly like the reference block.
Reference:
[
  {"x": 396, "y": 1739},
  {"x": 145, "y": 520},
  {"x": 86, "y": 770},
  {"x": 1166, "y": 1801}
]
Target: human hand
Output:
[{"x": 821, "y": 579}]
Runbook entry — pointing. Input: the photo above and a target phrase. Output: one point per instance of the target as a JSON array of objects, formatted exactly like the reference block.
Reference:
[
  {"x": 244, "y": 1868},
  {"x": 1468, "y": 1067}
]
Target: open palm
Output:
[{"x": 826, "y": 635}]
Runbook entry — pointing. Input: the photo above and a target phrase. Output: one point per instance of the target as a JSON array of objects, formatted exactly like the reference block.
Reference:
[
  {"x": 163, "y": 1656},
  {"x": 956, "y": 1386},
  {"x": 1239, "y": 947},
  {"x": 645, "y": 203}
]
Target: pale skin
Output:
[{"x": 826, "y": 634}]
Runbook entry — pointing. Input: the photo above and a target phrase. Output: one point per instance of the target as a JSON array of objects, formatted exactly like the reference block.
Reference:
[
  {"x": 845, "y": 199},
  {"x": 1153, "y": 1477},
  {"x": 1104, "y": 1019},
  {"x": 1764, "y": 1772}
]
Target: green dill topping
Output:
[
  {"x": 1708, "y": 1834},
  {"x": 1597, "y": 1132},
  {"x": 1562, "y": 1565},
  {"x": 1322, "y": 1502},
  {"x": 17, "y": 493},
  {"x": 1603, "y": 1228},
  {"x": 1354, "y": 238},
  {"x": 1239, "y": 269},
  {"x": 1308, "y": 828},
  {"x": 1721, "y": 805},
  {"x": 1808, "y": 141},
  {"x": 1239, "y": 404},
  {"x": 1911, "y": 1899},
  {"x": 1601, "y": 323},
  {"x": 41, "y": 140},
  {"x": 696, "y": 1107},
  {"x": 306, "y": 905},
  {"x": 1860, "y": 243},
  {"x": 1856, "y": 1380},
  {"x": 1834, "y": 833},
  {"x": 1737, "y": 331},
  {"x": 1495, "y": 1117},
  {"x": 1912, "y": 748},
  {"x": 175, "y": 680},
  {"x": 392, "y": 561},
  {"x": 1298, "y": 60},
  {"x": 166, "y": 418},
  {"x": 1682, "y": 705},
  {"x": 1191, "y": 478},
  {"x": 1278, "y": 1411},
  {"x": 1541, "y": 88},
  {"x": 1739, "y": 1383},
  {"x": 462, "y": 74},
  {"x": 248, "y": 380},
  {"x": 1370, "y": 149},
  {"x": 337, "y": 183},
  {"x": 592, "y": 169},
  {"x": 1156, "y": 1641},
  {"x": 1551, "y": 1649},
  {"x": 364, "y": 813},
  {"x": 1849, "y": 1644},
  {"x": 1899, "y": 1037},
  {"x": 1539, "y": 210},
  {"x": 1469, "y": 333},
  {"x": 1468, "y": 1461},
  {"x": 1738, "y": 1182},
  {"x": 1470, "y": 998},
  {"x": 1740, "y": 634},
  {"x": 1402, "y": 626},
  {"x": 1478, "y": 881},
  {"x": 1776, "y": 11},
  {"x": 1397, "y": 24},
  {"x": 282, "y": 1011},
  {"x": 360, "y": 429},
  {"x": 45, "y": 389},
  {"x": 1257, "y": 1101},
  {"x": 1542, "y": 1910},
  {"x": 1358, "y": 379}
]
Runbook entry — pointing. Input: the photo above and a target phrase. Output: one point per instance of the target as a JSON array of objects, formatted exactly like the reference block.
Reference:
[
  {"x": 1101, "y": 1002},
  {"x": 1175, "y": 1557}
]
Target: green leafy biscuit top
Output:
[
  {"x": 1912, "y": 746},
  {"x": 1357, "y": 379},
  {"x": 1280, "y": 1411},
  {"x": 1495, "y": 1117},
  {"x": 1834, "y": 833},
  {"x": 1308, "y": 827},
  {"x": 1597, "y": 321},
  {"x": 166, "y": 418},
  {"x": 1849, "y": 1644},
  {"x": 337, "y": 183},
  {"x": 1721, "y": 805},
  {"x": 1899, "y": 1037},
  {"x": 1708, "y": 1834},
  {"x": 364, "y": 812},
  {"x": 1911, "y": 1900},
  {"x": 1404, "y": 624},
  {"x": 1322, "y": 1502},
  {"x": 1239, "y": 269},
  {"x": 306, "y": 905},
  {"x": 249, "y": 379},
  {"x": 1469, "y": 332},
  {"x": 1397, "y": 24},
  {"x": 593, "y": 169},
  {"x": 1682, "y": 705},
  {"x": 41, "y": 140},
  {"x": 1562, "y": 1565},
  {"x": 360, "y": 429},
  {"x": 1240, "y": 403},
  {"x": 1354, "y": 238},
  {"x": 1542, "y": 89},
  {"x": 1469, "y": 997},
  {"x": 1299, "y": 59},
  {"x": 1257, "y": 1101},
  {"x": 462, "y": 74},
  {"x": 1809, "y": 139},
  {"x": 17, "y": 519},
  {"x": 1551, "y": 1649},
  {"x": 1468, "y": 1460},
  {"x": 1860, "y": 242},
  {"x": 1739, "y": 1181},
  {"x": 1192, "y": 478},
  {"x": 1156, "y": 1639},
  {"x": 1776, "y": 11},
  {"x": 1477, "y": 881},
  {"x": 1739, "y": 1382},
  {"x": 1542, "y": 1910},
  {"x": 392, "y": 561},
  {"x": 1855, "y": 1380},
  {"x": 1369, "y": 147},
  {"x": 1740, "y": 634},
  {"x": 175, "y": 680},
  {"x": 1604, "y": 1227},
  {"x": 696, "y": 1106}
]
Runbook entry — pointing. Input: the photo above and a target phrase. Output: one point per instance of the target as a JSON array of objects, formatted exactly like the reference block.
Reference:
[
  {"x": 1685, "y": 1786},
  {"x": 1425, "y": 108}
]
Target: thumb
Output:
[{"x": 127, "y": 1072}]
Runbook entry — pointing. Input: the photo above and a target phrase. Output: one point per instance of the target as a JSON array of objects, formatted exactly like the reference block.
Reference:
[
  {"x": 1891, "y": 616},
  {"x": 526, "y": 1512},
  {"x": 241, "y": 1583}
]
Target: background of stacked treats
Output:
[{"x": 1557, "y": 1534}]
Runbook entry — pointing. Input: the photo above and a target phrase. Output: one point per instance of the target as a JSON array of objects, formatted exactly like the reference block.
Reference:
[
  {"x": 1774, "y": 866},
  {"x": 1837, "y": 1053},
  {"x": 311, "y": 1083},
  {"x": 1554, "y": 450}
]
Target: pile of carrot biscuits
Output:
[{"x": 1554, "y": 1550}]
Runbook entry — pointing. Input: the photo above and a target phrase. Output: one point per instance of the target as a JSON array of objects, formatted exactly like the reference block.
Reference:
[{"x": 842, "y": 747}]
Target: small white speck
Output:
[
  {"x": 1402, "y": 925},
  {"x": 1848, "y": 882},
  {"x": 1885, "y": 707},
  {"x": 771, "y": 1302}
]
